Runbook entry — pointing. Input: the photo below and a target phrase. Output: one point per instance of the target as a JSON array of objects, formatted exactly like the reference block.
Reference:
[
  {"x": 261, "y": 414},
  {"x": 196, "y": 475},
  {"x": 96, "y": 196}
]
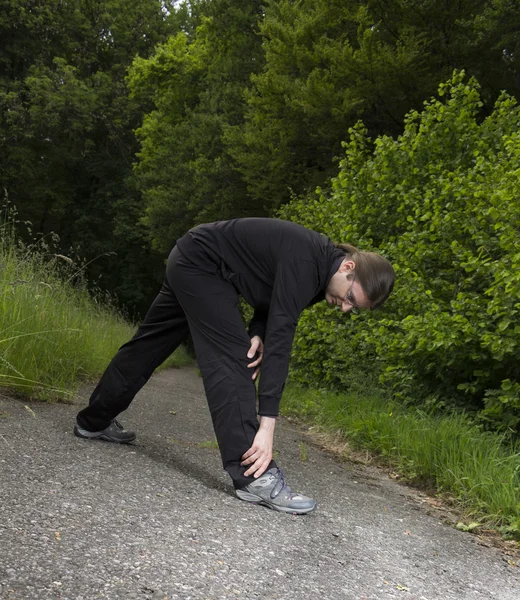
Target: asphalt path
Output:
[{"x": 157, "y": 519}]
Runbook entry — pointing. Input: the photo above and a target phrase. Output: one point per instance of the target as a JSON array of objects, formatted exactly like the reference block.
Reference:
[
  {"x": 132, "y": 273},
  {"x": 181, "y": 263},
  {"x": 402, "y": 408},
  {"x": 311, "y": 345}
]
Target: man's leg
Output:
[
  {"x": 163, "y": 329},
  {"x": 221, "y": 344}
]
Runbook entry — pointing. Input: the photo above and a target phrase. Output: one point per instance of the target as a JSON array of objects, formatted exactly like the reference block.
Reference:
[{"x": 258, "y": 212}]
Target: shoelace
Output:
[
  {"x": 118, "y": 424},
  {"x": 281, "y": 486}
]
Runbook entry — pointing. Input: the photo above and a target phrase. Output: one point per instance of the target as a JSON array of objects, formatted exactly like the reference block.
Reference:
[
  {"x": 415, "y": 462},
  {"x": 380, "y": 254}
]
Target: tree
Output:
[
  {"x": 66, "y": 126},
  {"x": 196, "y": 82},
  {"x": 330, "y": 63}
]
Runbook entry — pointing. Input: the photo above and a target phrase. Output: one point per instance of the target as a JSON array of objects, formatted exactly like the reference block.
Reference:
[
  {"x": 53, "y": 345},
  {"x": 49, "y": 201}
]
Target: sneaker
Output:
[
  {"x": 115, "y": 433},
  {"x": 271, "y": 490}
]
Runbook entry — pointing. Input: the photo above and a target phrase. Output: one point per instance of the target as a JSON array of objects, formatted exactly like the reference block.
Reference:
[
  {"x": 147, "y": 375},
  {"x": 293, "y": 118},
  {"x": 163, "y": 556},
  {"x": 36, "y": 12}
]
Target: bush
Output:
[
  {"x": 442, "y": 202},
  {"x": 54, "y": 334}
]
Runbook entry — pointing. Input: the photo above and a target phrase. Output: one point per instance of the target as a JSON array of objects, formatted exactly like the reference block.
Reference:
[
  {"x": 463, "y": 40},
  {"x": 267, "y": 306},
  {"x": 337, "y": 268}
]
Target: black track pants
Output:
[{"x": 199, "y": 298}]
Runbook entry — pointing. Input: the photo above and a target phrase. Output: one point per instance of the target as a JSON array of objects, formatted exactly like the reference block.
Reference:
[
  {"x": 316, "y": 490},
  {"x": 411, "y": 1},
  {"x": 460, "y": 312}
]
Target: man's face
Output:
[{"x": 344, "y": 291}]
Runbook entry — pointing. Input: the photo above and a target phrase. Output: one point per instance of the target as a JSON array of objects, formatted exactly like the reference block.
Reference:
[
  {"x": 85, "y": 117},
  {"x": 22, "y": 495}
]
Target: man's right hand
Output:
[{"x": 260, "y": 454}]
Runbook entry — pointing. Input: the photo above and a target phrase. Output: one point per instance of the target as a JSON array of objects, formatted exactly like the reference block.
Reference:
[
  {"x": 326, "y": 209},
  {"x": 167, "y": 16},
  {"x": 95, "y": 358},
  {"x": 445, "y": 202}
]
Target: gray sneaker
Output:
[
  {"x": 115, "y": 433},
  {"x": 271, "y": 490}
]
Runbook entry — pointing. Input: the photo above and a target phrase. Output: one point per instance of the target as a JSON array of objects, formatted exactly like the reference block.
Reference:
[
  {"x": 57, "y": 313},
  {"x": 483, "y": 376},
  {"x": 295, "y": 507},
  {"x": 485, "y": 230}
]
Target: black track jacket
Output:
[{"x": 279, "y": 268}]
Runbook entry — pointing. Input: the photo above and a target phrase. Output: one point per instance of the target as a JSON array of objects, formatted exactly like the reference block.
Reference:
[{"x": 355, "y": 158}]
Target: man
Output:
[{"x": 279, "y": 268}]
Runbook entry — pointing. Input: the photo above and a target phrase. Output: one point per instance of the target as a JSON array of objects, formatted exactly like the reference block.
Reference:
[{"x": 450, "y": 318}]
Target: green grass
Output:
[
  {"x": 208, "y": 444},
  {"x": 53, "y": 334},
  {"x": 480, "y": 470}
]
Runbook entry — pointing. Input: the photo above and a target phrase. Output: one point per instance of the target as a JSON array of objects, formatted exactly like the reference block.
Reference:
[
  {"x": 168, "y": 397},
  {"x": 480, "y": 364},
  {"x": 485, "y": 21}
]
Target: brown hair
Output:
[{"x": 374, "y": 273}]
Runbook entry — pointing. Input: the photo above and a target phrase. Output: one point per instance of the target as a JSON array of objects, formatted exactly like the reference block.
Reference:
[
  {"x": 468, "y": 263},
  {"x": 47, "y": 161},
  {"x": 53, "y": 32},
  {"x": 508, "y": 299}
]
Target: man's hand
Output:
[
  {"x": 261, "y": 452},
  {"x": 256, "y": 346}
]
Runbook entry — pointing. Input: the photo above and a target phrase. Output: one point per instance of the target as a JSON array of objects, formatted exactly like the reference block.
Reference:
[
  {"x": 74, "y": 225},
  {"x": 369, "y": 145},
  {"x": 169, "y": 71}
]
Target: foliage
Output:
[
  {"x": 195, "y": 83},
  {"x": 442, "y": 202},
  {"x": 54, "y": 334},
  {"x": 66, "y": 139},
  {"x": 237, "y": 104},
  {"x": 477, "y": 469},
  {"x": 330, "y": 63}
]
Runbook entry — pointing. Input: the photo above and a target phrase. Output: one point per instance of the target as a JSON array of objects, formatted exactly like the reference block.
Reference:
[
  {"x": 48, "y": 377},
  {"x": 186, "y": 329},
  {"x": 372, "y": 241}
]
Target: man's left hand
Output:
[{"x": 257, "y": 346}]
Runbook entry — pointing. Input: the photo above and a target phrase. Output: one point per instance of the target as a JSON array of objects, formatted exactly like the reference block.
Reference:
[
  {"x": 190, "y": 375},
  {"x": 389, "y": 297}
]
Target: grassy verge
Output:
[
  {"x": 480, "y": 470},
  {"x": 53, "y": 334}
]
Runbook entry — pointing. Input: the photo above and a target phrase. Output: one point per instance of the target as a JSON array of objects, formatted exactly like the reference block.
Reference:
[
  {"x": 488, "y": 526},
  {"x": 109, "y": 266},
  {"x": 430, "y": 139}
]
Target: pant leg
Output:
[
  {"x": 162, "y": 331},
  {"x": 221, "y": 345}
]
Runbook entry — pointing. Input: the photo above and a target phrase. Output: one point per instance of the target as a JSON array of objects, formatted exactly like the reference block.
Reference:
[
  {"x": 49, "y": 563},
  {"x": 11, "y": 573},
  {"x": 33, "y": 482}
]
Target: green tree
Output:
[
  {"x": 66, "y": 126},
  {"x": 195, "y": 81},
  {"x": 330, "y": 63}
]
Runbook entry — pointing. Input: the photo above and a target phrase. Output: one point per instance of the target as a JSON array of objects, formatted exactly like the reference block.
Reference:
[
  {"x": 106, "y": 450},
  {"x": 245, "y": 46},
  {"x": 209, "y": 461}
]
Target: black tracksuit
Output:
[{"x": 279, "y": 268}]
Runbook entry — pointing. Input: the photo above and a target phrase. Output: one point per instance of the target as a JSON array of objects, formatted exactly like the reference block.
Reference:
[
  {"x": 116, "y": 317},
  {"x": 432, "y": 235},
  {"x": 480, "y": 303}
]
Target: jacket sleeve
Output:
[
  {"x": 258, "y": 323},
  {"x": 294, "y": 287}
]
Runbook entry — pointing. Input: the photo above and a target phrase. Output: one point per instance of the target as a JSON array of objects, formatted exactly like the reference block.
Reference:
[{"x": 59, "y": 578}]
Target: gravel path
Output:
[{"x": 157, "y": 519}]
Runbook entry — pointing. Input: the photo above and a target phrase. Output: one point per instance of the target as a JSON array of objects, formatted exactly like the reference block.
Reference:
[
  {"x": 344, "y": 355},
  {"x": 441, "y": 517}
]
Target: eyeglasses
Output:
[{"x": 350, "y": 300}]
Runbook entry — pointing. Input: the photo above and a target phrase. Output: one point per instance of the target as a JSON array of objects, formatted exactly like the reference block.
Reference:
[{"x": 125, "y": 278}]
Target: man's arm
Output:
[{"x": 295, "y": 285}]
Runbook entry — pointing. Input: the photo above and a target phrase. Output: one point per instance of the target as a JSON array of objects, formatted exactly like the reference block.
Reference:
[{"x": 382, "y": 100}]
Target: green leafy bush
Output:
[{"x": 442, "y": 202}]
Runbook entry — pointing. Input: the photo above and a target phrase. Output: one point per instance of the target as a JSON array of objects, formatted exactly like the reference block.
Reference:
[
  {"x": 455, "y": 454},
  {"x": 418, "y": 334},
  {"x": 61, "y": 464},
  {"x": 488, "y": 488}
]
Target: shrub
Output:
[{"x": 442, "y": 202}]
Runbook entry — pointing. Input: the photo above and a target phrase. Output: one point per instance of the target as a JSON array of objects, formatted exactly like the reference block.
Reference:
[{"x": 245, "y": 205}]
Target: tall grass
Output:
[
  {"x": 53, "y": 334},
  {"x": 480, "y": 470}
]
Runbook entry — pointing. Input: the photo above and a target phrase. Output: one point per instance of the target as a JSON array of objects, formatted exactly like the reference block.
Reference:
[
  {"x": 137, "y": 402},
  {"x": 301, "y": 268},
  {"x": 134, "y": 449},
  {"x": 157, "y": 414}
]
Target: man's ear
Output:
[{"x": 347, "y": 266}]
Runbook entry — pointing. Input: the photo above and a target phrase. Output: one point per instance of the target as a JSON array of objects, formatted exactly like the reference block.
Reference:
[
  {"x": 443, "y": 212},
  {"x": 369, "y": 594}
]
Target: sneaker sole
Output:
[
  {"x": 248, "y": 497},
  {"x": 101, "y": 436}
]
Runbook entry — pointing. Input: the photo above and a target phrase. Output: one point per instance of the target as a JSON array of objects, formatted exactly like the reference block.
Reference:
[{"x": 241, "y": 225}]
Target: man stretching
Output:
[{"x": 279, "y": 268}]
